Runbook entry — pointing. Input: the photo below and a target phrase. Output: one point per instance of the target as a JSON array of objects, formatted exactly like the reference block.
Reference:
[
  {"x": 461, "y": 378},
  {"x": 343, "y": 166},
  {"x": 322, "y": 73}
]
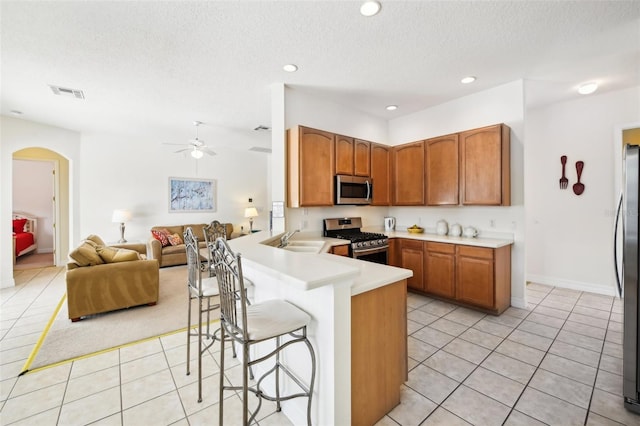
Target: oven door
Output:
[{"x": 375, "y": 254}]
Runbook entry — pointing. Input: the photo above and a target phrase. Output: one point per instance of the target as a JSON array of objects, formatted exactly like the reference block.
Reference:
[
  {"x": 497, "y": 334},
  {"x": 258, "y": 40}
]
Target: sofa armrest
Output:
[
  {"x": 154, "y": 249},
  {"x": 139, "y": 247}
]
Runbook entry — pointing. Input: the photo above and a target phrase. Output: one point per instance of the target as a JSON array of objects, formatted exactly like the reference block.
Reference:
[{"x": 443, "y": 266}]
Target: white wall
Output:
[
  {"x": 127, "y": 172},
  {"x": 503, "y": 104},
  {"x": 32, "y": 193},
  {"x": 570, "y": 238},
  {"x": 16, "y": 134}
]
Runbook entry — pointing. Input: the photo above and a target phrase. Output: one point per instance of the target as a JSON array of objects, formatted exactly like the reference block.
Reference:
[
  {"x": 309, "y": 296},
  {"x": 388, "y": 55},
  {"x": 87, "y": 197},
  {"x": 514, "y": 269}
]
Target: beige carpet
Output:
[{"x": 66, "y": 340}]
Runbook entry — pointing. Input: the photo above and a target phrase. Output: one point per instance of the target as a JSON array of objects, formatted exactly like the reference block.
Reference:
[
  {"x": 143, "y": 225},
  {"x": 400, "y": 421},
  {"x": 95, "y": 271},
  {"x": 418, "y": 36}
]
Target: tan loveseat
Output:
[
  {"x": 104, "y": 278},
  {"x": 171, "y": 255}
]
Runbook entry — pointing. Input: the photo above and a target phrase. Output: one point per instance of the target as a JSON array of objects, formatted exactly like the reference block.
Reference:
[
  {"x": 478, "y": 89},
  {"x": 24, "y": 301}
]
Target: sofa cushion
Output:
[
  {"x": 86, "y": 255},
  {"x": 175, "y": 240},
  {"x": 198, "y": 230},
  {"x": 114, "y": 254},
  {"x": 160, "y": 236},
  {"x": 96, "y": 239},
  {"x": 174, "y": 249}
]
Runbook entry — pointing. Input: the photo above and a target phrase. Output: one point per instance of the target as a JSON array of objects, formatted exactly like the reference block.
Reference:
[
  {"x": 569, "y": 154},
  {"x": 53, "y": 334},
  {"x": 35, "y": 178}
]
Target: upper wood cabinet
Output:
[
  {"x": 352, "y": 156},
  {"x": 361, "y": 158},
  {"x": 485, "y": 166},
  {"x": 344, "y": 155},
  {"x": 441, "y": 170},
  {"x": 310, "y": 161},
  {"x": 408, "y": 174},
  {"x": 381, "y": 174}
]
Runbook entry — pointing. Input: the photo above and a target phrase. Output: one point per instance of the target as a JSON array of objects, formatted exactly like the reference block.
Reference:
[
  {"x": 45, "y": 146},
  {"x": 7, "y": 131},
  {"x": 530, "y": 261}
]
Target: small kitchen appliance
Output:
[
  {"x": 368, "y": 246},
  {"x": 354, "y": 190},
  {"x": 389, "y": 223}
]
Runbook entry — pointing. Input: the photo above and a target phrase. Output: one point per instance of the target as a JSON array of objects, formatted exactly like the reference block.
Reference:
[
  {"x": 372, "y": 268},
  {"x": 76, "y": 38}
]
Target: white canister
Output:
[
  {"x": 456, "y": 230},
  {"x": 470, "y": 232},
  {"x": 442, "y": 227}
]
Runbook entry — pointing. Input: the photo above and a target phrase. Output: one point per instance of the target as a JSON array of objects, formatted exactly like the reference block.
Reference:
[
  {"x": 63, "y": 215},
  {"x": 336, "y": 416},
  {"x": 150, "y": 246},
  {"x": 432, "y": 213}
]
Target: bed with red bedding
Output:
[{"x": 24, "y": 234}]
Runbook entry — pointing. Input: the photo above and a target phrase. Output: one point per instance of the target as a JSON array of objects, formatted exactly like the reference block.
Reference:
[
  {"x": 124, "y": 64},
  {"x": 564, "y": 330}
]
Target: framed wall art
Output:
[{"x": 192, "y": 195}]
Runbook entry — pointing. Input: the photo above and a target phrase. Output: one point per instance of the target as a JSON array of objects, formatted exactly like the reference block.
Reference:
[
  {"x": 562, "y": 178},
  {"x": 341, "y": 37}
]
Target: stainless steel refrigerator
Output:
[{"x": 628, "y": 279}]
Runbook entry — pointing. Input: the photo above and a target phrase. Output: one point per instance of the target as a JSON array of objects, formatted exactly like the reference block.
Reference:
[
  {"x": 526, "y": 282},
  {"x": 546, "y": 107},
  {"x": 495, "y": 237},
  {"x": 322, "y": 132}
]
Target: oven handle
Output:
[{"x": 371, "y": 250}]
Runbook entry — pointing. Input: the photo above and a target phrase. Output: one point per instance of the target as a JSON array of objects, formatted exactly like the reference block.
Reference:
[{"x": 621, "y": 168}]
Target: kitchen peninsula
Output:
[{"x": 358, "y": 327}]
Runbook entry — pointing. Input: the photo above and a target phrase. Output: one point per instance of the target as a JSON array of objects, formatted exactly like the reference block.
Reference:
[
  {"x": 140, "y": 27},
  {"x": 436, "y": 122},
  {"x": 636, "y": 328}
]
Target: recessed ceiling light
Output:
[
  {"x": 370, "y": 8},
  {"x": 15, "y": 112},
  {"x": 392, "y": 107},
  {"x": 290, "y": 68},
  {"x": 467, "y": 80},
  {"x": 588, "y": 88}
]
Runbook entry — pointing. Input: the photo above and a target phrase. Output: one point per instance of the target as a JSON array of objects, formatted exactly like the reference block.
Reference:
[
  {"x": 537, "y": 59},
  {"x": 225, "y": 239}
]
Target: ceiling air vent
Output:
[
  {"x": 262, "y": 128},
  {"x": 260, "y": 149},
  {"x": 64, "y": 91}
]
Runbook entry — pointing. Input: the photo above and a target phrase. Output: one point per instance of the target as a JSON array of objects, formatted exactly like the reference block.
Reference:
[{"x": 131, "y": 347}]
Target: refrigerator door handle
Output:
[{"x": 615, "y": 246}]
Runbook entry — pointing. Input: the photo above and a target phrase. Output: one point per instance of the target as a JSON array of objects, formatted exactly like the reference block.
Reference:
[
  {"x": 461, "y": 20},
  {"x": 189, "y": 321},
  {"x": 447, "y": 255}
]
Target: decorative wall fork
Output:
[{"x": 564, "y": 182}]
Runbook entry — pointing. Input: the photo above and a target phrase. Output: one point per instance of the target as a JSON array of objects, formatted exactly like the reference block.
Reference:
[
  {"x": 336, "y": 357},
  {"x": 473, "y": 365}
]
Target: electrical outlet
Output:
[{"x": 492, "y": 223}]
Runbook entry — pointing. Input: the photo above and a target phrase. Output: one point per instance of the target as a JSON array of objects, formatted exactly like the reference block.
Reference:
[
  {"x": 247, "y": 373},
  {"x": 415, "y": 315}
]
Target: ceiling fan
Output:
[{"x": 196, "y": 146}]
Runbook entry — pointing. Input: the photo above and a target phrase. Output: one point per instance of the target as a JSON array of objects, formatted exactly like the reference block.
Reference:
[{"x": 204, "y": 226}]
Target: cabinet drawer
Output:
[
  {"x": 478, "y": 252},
  {"x": 411, "y": 244},
  {"x": 441, "y": 247}
]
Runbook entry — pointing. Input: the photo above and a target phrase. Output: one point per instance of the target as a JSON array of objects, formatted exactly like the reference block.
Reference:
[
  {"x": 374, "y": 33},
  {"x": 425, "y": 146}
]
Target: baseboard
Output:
[
  {"x": 518, "y": 302},
  {"x": 44, "y": 250},
  {"x": 572, "y": 285}
]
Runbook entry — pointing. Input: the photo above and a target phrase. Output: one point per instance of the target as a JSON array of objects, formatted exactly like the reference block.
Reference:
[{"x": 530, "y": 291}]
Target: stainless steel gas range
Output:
[{"x": 368, "y": 246}]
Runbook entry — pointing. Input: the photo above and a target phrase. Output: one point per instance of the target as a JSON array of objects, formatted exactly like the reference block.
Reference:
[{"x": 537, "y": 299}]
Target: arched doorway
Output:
[{"x": 53, "y": 220}]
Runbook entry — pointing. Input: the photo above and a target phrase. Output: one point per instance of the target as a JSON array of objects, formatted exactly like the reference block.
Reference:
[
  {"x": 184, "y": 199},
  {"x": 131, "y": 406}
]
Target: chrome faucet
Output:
[{"x": 284, "y": 240}]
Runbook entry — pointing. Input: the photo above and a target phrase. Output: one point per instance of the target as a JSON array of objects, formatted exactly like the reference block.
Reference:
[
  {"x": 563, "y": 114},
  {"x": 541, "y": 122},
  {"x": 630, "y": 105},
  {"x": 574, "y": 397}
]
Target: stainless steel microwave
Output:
[{"x": 353, "y": 190}]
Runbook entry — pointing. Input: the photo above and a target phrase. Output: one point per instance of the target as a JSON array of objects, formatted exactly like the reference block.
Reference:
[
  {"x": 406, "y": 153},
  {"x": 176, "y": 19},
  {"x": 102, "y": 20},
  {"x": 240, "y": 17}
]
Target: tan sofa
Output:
[
  {"x": 105, "y": 278},
  {"x": 171, "y": 255}
]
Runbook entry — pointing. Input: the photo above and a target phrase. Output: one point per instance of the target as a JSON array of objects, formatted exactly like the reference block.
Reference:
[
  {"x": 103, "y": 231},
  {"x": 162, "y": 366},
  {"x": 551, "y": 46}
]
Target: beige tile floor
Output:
[{"x": 558, "y": 362}]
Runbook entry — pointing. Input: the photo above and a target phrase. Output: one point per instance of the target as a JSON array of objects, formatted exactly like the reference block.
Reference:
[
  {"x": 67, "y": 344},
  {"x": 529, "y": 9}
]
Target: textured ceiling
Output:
[{"x": 150, "y": 68}]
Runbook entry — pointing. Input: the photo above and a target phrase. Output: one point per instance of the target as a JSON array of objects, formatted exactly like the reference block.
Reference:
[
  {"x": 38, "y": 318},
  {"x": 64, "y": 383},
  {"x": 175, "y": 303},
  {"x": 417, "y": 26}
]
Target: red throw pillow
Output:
[
  {"x": 160, "y": 236},
  {"x": 18, "y": 225}
]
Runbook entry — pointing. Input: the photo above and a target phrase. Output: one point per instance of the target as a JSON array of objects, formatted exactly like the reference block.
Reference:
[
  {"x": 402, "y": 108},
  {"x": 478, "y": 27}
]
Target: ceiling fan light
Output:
[
  {"x": 370, "y": 8},
  {"x": 588, "y": 88},
  {"x": 196, "y": 153}
]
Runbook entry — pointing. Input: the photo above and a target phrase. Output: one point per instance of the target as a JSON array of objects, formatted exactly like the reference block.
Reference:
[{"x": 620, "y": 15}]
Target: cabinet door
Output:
[
  {"x": 441, "y": 171},
  {"x": 344, "y": 155},
  {"x": 381, "y": 174},
  {"x": 411, "y": 257},
  {"x": 484, "y": 166},
  {"x": 393, "y": 255},
  {"x": 310, "y": 158},
  {"x": 362, "y": 158},
  {"x": 440, "y": 266},
  {"x": 475, "y": 276},
  {"x": 342, "y": 250},
  {"x": 408, "y": 174}
]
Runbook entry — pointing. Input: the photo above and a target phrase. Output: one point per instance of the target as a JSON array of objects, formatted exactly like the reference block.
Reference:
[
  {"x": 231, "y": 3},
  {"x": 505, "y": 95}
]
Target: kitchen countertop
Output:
[{"x": 478, "y": 242}]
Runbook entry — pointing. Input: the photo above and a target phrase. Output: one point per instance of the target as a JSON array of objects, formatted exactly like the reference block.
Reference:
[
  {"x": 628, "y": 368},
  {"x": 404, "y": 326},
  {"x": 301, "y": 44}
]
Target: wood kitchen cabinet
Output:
[
  {"x": 440, "y": 269},
  {"x": 441, "y": 170},
  {"x": 341, "y": 250},
  {"x": 408, "y": 174},
  {"x": 344, "y": 155},
  {"x": 353, "y": 156},
  {"x": 310, "y": 166},
  {"x": 411, "y": 256},
  {"x": 478, "y": 277},
  {"x": 484, "y": 277},
  {"x": 485, "y": 166},
  {"x": 381, "y": 174}
]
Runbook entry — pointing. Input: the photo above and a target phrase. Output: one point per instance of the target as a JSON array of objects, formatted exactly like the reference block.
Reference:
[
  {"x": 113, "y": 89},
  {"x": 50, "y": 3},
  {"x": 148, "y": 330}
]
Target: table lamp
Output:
[
  {"x": 121, "y": 216},
  {"x": 250, "y": 212}
]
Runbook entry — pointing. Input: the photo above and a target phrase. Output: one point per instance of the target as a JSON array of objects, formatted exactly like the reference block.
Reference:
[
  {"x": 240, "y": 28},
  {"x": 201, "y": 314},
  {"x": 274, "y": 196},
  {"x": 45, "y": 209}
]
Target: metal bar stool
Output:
[
  {"x": 247, "y": 325},
  {"x": 202, "y": 289},
  {"x": 212, "y": 232}
]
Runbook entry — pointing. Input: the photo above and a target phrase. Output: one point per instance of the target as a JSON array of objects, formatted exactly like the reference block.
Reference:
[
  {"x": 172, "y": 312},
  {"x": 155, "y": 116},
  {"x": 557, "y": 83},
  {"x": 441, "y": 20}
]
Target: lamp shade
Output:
[
  {"x": 250, "y": 212},
  {"x": 121, "y": 216}
]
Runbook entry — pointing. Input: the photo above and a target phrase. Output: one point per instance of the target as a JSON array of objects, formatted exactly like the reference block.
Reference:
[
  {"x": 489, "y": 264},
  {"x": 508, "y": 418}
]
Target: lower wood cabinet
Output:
[
  {"x": 341, "y": 250},
  {"x": 440, "y": 269},
  {"x": 474, "y": 276}
]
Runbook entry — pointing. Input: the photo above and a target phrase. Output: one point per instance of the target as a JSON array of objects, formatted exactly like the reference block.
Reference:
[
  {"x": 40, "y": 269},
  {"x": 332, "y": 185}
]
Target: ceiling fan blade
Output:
[
  {"x": 182, "y": 150},
  {"x": 181, "y": 144},
  {"x": 207, "y": 151}
]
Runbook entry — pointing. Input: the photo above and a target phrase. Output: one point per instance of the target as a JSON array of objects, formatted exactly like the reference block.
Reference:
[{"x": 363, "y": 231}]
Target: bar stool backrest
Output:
[
  {"x": 213, "y": 231},
  {"x": 233, "y": 296},
  {"x": 194, "y": 278}
]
